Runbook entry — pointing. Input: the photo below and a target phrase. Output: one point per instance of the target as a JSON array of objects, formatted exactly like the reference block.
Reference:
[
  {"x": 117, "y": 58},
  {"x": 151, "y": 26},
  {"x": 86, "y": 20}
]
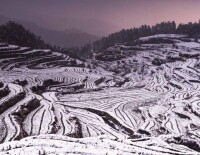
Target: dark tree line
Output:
[
  {"x": 128, "y": 36},
  {"x": 16, "y": 34},
  {"x": 192, "y": 29}
]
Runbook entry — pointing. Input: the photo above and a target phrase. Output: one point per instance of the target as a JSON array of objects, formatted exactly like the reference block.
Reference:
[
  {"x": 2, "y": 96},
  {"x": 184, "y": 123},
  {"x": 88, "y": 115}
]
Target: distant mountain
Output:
[
  {"x": 99, "y": 27},
  {"x": 67, "y": 38},
  {"x": 92, "y": 26}
]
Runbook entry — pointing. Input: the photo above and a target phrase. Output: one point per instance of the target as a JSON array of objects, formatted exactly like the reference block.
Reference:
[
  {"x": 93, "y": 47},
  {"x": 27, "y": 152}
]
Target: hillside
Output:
[
  {"x": 70, "y": 37},
  {"x": 14, "y": 33},
  {"x": 129, "y": 36},
  {"x": 138, "y": 99}
]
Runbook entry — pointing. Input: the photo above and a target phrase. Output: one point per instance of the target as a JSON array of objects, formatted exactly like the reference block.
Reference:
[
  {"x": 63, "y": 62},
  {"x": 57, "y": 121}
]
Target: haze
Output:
[{"x": 63, "y": 14}]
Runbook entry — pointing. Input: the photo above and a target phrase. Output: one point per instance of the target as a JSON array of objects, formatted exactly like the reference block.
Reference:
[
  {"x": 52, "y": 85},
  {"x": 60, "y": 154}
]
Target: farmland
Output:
[{"x": 139, "y": 99}]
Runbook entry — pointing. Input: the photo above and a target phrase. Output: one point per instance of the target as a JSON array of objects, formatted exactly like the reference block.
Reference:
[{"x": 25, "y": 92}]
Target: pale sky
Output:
[{"x": 122, "y": 13}]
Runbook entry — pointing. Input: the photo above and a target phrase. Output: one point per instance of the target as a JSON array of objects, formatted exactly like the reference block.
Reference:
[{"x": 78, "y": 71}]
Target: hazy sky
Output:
[{"x": 123, "y": 13}]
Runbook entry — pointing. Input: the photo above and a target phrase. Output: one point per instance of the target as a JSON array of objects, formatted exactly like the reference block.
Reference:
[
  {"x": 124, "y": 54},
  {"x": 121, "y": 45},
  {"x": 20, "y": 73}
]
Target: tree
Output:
[{"x": 14, "y": 33}]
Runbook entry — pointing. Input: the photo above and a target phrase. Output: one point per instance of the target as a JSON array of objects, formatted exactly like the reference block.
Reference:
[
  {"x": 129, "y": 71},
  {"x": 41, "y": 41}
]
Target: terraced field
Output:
[{"x": 146, "y": 102}]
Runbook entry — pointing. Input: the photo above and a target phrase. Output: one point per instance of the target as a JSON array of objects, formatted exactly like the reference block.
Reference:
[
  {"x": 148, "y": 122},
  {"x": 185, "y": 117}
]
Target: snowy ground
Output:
[{"x": 145, "y": 103}]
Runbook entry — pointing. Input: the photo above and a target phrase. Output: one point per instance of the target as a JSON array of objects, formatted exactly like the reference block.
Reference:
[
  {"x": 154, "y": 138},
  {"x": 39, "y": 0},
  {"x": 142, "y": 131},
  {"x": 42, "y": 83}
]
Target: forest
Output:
[
  {"x": 128, "y": 36},
  {"x": 14, "y": 33}
]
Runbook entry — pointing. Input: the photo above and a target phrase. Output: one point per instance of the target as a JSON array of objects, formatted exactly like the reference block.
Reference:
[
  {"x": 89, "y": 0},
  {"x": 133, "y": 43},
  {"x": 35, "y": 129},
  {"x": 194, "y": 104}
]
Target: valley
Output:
[{"x": 138, "y": 99}]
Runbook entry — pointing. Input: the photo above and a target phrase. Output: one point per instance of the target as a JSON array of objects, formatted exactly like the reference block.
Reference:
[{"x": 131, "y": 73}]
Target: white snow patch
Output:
[{"x": 175, "y": 36}]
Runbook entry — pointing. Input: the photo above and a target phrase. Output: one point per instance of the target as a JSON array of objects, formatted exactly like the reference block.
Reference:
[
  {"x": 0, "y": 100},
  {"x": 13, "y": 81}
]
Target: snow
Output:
[
  {"x": 156, "y": 103},
  {"x": 189, "y": 44},
  {"x": 50, "y": 144},
  {"x": 174, "y": 36}
]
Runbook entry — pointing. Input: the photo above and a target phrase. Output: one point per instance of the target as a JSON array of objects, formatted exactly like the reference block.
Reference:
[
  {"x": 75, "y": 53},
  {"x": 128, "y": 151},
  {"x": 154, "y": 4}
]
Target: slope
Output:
[{"x": 140, "y": 99}]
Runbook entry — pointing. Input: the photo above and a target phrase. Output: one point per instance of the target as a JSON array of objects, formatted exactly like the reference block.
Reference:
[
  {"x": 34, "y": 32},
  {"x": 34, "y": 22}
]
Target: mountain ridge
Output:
[{"x": 66, "y": 39}]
